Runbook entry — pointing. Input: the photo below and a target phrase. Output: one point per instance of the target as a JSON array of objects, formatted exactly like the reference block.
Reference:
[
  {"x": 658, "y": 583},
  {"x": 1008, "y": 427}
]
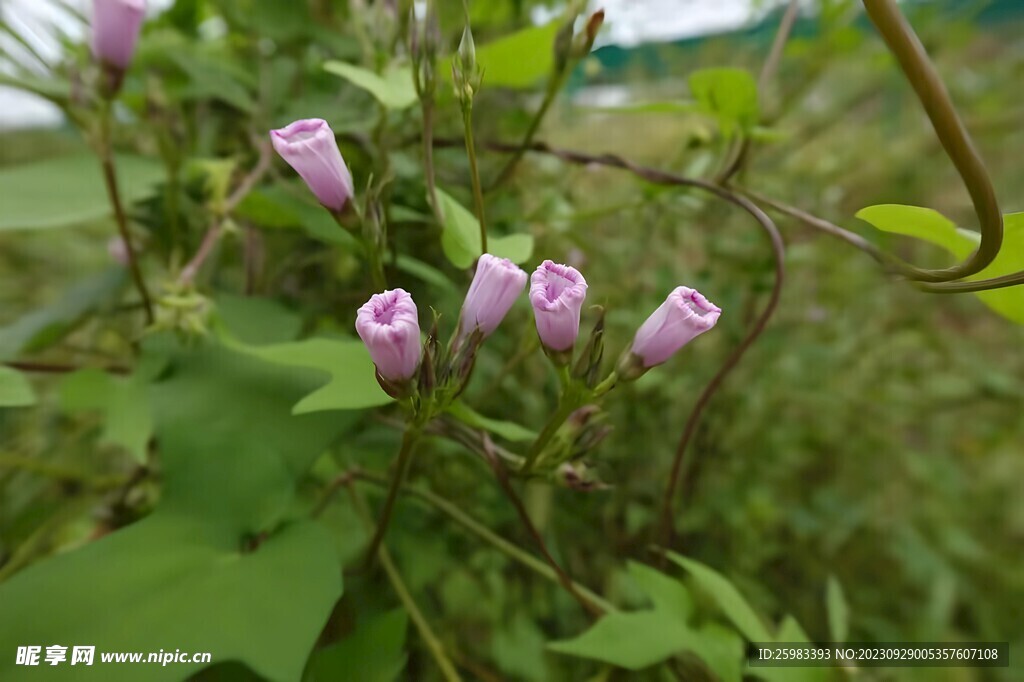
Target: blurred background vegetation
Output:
[{"x": 873, "y": 434}]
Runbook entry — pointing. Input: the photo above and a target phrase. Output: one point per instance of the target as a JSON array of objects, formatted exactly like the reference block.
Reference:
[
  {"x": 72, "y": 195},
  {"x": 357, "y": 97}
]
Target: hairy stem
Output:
[{"x": 395, "y": 578}]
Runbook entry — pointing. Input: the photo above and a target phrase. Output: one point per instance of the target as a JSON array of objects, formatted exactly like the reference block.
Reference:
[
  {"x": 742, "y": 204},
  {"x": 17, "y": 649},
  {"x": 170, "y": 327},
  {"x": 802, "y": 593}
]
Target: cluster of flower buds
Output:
[
  {"x": 389, "y": 326},
  {"x": 115, "y": 31},
  {"x": 466, "y": 73},
  {"x": 431, "y": 377}
]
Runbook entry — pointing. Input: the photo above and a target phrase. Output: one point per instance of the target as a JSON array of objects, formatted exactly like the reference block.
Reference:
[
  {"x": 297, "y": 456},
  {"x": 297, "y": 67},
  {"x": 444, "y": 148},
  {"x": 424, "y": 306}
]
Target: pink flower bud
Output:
[
  {"x": 118, "y": 251},
  {"x": 683, "y": 316},
  {"x": 308, "y": 145},
  {"x": 496, "y": 285},
  {"x": 556, "y": 294},
  {"x": 389, "y": 326},
  {"x": 115, "y": 30}
]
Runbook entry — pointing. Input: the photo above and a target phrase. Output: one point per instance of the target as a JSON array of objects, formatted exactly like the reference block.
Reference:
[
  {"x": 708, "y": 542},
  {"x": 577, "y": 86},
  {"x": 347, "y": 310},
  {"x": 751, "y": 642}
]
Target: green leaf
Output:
[
  {"x": 276, "y": 207},
  {"x": 518, "y": 649},
  {"x": 516, "y": 247},
  {"x": 69, "y": 190},
  {"x": 517, "y": 60},
  {"x": 353, "y": 383},
  {"x": 460, "y": 239},
  {"x": 838, "y": 611},
  {"x": 124, "y": 404},
  {"x": 728, "y": 598},
  {"x": 728, "y": 94},
  {"x": 933, "y": 227},
  {"x": 395, "y": 89},
  {"x": 628, "y": 640},
  {"x": 44, "y": 326},
  {"x": 921, "y": 223},
  {"x": 213, "y": 76},
  {"x": 666, "y": 593},
  {"x": 374, "y": 652},
  {"x": 191, "y": 575},
  {"x": 15, "y": 389},
  {"x": 425, "y": 272},
  {"x": 255, "y": 320},
  {"x": 507, "y": 430}
]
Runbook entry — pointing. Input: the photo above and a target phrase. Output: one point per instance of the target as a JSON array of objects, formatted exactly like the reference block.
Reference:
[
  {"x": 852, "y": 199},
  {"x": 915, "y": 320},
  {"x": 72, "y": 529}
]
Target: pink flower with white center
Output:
[
  {"x": 496, "y": 285},
  {"x": 308, "y": 145},
  {"x": 557, "y": 293},
  {"x": 389, "y": 326},
  {"x": 684, "y": 315},
  {"x": 115, "y": 30}
]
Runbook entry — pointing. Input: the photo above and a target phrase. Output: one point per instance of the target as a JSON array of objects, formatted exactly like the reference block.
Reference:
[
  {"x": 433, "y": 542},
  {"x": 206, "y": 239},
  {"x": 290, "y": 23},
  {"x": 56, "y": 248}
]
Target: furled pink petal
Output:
[
  {"x": 115, "y": 30},
  {"x": 389, "y": 326},
  {"x": 308, "y": 145},
  {"x": 557, "y": 293},
  {"x": 683, "y": 316},
  {"x": 496, "y": 285}
]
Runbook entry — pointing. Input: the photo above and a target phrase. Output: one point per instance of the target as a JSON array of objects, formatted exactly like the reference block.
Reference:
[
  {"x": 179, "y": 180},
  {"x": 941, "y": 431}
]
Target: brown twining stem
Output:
[
  {"x": 410, "y": 439},
  {"x": 191, "y": 269},
  {"x": 899, "y": 36},
  {"x": 501, "y": 474},
  {"x": 110, "y": 180},
  {"x": 52, "y": 368},
  {"x": 887, "y": 260}
]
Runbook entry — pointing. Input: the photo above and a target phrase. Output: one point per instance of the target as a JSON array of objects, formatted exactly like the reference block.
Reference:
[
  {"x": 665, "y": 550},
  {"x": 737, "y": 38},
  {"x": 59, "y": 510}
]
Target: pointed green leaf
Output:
[
  {"x": 123, "y": 402},
  {"x": 373, "y": 653},
  {"x": 838, "y": 611},
  {"x": 353, "y": 380},
  {"x": 395, "y": 89},
  {"x": 69, "y": 190},
  {"x": 460, "y": 239},
  {"x": 666, "y": 593},
  {"x": 506, "y": 429},
  {"x": 728, "y": 598},
  {"x": 628, "y": 640},
  {"x": 933, "y": 227},
  {"x": 516, "y": 247},
  {"x": 217, "y": 567}
]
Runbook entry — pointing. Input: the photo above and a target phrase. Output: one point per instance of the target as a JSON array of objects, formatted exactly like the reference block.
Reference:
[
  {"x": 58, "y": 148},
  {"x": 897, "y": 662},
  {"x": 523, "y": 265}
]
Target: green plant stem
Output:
[
  {"x": 474, "y": 174},
  {"x": 608, "y": 384},
  {"x": 563, "y": 578},
  {"x": 427, "y": 112},
  {"x": 106, "y": 155},
  {"x": 899, "y": 36},
  {"x": 566, "y": 407},
  {"x": 410, "y": 439},
  {"x": 509, "y": 549},
  {"x": 59, "y": 473},
  {"x": 554, "y": 85},
  {"x": 434, "y": 645}
]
